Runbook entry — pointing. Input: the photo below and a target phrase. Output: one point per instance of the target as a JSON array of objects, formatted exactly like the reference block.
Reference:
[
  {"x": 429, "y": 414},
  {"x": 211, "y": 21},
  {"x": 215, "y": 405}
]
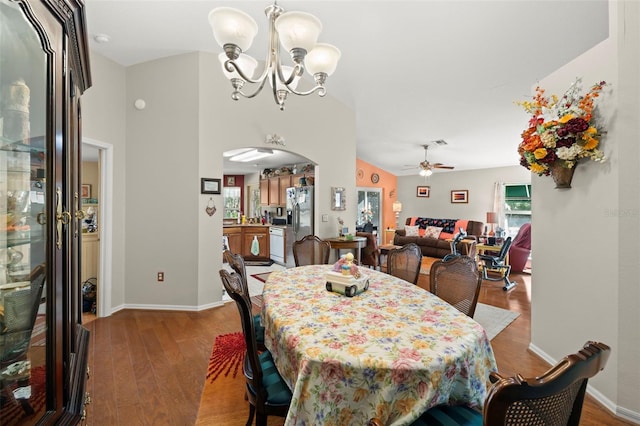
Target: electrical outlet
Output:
[
  {"x": 160, "y": 276},
  {"x": 325, "y": 218}
]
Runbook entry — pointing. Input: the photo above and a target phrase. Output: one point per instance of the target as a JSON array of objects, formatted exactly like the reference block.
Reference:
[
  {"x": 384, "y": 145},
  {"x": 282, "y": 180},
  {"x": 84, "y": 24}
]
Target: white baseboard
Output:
[
  {"x": 168, "y": 307},
  {"x": 614, "y": 409}
]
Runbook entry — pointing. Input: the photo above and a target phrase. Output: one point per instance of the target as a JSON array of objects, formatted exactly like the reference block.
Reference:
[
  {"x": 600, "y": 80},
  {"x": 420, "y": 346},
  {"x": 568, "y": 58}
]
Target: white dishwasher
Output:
[{"x": 276, "y": 244}]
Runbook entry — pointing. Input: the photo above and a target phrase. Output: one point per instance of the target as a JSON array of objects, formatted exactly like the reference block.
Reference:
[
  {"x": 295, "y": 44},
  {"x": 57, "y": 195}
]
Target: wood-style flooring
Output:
[{"x": 148, "y": 367}]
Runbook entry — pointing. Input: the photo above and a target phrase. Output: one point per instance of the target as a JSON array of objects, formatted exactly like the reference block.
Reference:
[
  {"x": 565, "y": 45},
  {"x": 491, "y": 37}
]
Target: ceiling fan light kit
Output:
[
  {"x": 425, "y": 167},
  {"x": 298, "y": 33}
]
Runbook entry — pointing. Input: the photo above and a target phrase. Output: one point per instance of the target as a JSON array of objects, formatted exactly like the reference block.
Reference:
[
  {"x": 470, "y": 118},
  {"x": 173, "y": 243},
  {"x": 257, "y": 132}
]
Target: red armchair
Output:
[{"x": 520, "y": 248}]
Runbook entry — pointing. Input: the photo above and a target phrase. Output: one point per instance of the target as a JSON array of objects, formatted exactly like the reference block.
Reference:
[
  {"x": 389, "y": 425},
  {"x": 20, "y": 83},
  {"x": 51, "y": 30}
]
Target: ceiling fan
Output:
[{"x": 426, "y": 168}]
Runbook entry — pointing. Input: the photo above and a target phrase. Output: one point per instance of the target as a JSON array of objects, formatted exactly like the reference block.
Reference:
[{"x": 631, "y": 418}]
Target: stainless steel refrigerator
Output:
[{"x": 300, "y": 204}]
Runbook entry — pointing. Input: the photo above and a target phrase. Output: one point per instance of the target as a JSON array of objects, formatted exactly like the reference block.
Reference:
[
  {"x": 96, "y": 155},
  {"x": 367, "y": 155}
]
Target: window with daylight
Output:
[{"x": 517, "y": 207}]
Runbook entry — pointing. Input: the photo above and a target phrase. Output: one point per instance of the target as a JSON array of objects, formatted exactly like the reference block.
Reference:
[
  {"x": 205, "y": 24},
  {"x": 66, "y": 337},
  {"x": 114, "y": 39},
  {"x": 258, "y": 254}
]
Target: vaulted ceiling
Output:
[{"x": 413, "y": 71}]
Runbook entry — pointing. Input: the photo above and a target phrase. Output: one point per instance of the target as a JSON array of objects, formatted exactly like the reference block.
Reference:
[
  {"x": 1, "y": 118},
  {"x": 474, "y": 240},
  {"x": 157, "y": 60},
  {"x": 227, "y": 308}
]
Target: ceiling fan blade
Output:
[{"x": 440, "y": 166}]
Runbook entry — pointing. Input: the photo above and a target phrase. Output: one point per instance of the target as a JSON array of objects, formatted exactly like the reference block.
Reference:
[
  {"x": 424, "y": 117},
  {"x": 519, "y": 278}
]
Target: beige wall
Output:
[
  {"x": 188, "y": 122},
  {"x": 480, "y": 184},
  {"x": 103, "y": 121},
  {"x": 91, "y": 176},
  {"x": 585, "y": 239}
]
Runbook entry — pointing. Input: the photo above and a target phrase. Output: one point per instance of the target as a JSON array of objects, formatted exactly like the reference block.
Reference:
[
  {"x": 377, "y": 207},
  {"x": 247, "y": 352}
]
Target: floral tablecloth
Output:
[{"x": 391, "y": 352}]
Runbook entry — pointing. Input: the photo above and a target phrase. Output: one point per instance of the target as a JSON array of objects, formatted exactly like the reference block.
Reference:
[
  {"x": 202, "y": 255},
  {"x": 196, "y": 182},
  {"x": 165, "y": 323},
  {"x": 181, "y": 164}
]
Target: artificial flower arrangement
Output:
[{"x": 561, "y": 130}]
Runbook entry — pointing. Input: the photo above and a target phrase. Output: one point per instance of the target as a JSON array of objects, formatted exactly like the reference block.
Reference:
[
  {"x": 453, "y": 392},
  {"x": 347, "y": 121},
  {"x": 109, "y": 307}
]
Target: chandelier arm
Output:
[
  {"x": 230, "y": 65},
  {"x": 254, "y": 94},
  {"x": 318, "y": 88}
]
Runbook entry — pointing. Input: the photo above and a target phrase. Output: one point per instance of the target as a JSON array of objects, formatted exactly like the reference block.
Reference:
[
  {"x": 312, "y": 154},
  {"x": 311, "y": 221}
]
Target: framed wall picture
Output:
[
  {"x": 423, "y": 191},
  {"x": 85, "y": 190},
  {"x": 209, "y": 186},
  {"x": 459, "y": 196},
  {"x": 231, "y": 181}
]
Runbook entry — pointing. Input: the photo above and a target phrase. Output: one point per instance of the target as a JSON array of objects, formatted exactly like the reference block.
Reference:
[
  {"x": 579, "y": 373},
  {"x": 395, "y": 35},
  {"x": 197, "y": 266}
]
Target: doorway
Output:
[
  {"x": 100, "y": 201},
  {"x": 369, "y": 210}
]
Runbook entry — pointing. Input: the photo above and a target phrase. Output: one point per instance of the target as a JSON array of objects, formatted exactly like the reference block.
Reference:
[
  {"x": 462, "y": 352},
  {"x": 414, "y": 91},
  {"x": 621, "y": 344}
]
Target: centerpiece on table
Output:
[
  {"x": 345, "y": 277},
  {"x": 561, "y": 131}
]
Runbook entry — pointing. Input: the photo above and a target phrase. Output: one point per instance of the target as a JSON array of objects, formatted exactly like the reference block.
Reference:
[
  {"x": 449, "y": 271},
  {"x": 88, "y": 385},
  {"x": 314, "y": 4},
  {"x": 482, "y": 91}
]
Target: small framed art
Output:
[
  {"x": 209, "y": 186},
  {"x": 460, "y": 196},
  {"x": 231, "y": 181},
  {"x": 423, "y": 191},
  {"x": 85, "y": 190}
]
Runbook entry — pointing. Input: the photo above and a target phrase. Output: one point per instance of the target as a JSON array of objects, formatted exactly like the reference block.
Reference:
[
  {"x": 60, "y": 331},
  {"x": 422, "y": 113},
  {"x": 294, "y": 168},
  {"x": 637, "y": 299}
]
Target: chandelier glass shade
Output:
[{"x": 298, "y": 34}]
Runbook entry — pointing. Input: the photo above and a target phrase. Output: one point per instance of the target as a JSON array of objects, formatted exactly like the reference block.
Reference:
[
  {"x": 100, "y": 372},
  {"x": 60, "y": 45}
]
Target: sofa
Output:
[{"x": 433, "y": 235}]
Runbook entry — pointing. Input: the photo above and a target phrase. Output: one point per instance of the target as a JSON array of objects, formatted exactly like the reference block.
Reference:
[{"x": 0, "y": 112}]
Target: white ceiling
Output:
[{"x": 413, "y": 71}]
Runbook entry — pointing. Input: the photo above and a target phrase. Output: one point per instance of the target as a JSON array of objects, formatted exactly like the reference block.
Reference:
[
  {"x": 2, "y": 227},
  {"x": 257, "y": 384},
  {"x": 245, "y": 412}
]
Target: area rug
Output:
[
  {"x": 226, "y": 356},
  {"x": 261, "y": 277},
  {"x": 38, "y": 335},
  {"x": 258, "y": 262},
  {"x": 12, "y": 413},
  {"x": 493, "y": 319}
]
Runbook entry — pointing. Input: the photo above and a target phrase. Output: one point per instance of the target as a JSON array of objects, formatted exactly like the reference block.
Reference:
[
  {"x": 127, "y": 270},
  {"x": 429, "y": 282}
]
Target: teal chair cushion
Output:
[
  {"x": 447, "y": 415},
  {"x": 259, "y": 329},
  {"x": 278, "y": 392}
]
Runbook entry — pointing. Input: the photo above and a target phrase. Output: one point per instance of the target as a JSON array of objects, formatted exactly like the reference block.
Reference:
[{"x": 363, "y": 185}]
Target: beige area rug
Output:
[{"x": 493, "y": 319}]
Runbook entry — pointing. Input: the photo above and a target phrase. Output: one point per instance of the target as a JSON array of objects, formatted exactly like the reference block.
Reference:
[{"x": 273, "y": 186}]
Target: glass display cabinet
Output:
[{"x": 44, "y": 69}]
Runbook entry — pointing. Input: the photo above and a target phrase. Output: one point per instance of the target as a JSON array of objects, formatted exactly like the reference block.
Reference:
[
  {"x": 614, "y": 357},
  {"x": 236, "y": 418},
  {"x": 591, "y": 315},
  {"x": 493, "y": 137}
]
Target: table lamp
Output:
[
  {"x": 492, "y": 218},
  {"x": 397, "y": 208}
]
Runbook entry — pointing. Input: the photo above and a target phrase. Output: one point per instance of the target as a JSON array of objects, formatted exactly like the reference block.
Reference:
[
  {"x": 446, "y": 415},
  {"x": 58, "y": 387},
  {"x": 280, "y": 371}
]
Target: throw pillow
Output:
[
  {"x": 432, "y": 231},
  {"x": 411, "y": 231}
]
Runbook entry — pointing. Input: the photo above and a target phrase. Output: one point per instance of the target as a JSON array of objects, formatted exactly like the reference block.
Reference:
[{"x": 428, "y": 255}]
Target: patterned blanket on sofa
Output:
[{"x": 447, "y": 225}]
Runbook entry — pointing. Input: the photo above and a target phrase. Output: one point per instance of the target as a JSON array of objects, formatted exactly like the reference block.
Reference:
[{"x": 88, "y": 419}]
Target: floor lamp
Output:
[{"x": 397, "y": 208}]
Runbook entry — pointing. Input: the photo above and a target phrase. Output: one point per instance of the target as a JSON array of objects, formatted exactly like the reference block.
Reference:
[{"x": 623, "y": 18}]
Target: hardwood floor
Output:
[{"x": 148, "y": 367}]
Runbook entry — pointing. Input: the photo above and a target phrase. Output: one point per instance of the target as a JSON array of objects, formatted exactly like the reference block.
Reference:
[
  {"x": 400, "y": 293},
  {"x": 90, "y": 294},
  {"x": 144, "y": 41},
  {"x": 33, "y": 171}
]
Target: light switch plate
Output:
[{"x": 325, "y": 218}]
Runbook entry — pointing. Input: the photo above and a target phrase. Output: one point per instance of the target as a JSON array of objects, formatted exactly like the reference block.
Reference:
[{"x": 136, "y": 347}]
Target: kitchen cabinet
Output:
[
  {"x": 274, "y": 191},
  {"x": 241, "y": 238},
  {"x": 260, "y": 234},
  {"x": 264, "y": 192},
  {"x": 234, "y": 238},
  {"x": 284, "y": 182},
  {"x": 44, "y": 69}
]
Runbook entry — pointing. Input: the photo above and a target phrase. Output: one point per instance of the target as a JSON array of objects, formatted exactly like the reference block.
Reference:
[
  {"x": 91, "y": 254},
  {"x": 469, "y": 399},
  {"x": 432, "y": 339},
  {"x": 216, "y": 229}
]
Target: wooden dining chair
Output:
[
  {"x": 311, "y": 250},
  {"x": 555, "y": 398},
  {"x": 267, "y": 393},
  {"x": 371, "y": 252},
  {"x": 405, "y": 262},
  {"x": 236, "y": 262},
  {"x": 457, "y": 281}
]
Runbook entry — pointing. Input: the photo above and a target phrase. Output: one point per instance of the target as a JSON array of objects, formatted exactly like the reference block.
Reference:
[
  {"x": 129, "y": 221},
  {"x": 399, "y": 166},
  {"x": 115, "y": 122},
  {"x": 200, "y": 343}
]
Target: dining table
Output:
[{"x": 390, "y": 352}]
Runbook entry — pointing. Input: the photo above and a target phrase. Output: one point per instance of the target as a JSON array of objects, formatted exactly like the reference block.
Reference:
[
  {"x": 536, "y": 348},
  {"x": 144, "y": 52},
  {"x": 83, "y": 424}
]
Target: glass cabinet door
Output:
[{"x": 23, "y": 167}]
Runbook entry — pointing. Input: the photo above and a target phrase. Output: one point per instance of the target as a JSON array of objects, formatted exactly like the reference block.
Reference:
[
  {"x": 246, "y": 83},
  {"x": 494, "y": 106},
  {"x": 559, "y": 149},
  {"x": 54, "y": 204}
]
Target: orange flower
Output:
[
  {"x": 532, "y": 143},
  {"x": 590, "y": 143}
]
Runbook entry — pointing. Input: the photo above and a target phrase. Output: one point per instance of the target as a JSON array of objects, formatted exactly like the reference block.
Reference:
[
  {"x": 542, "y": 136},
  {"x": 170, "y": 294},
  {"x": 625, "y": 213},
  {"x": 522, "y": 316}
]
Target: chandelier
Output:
[{"x": 298, "y": 33}]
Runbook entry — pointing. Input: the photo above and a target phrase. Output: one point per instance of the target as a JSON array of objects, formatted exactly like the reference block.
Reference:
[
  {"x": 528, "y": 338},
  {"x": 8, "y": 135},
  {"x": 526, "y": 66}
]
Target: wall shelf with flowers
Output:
[{"x": 561, "y": 132}]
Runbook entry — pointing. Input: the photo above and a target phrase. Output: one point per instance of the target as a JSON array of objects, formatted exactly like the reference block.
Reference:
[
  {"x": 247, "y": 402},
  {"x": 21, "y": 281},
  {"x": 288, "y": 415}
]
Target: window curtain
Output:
[{"x": 498, "y": 205}]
